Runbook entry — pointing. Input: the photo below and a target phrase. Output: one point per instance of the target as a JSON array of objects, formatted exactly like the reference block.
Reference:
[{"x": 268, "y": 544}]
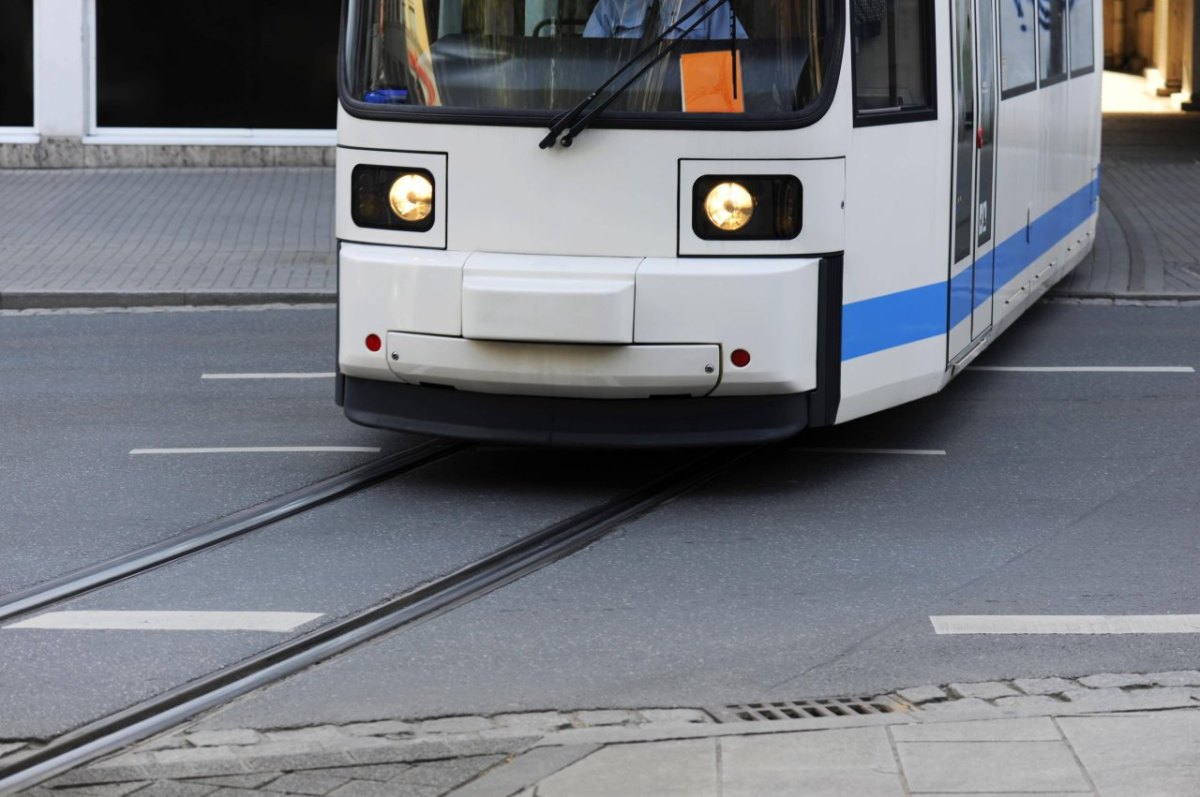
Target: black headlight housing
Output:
[
  {"x": 778, "y": 208},
  {"x": 369, "y": 202}
]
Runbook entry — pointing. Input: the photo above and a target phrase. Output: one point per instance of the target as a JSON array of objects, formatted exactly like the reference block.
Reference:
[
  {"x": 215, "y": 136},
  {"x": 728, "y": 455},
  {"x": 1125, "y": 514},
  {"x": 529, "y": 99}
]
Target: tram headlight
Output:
[
  {"x": 747, "y": 207},
  {"x": 729, "y": 206},
  {"x": 411, "y": 197},
  {"x": 392, "y": 198}
]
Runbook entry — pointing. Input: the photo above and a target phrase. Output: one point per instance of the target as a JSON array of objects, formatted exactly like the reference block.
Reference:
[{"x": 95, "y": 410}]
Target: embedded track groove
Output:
[
  {"x": 516, "y": 560},
  {"x": 218, "y": 531}
]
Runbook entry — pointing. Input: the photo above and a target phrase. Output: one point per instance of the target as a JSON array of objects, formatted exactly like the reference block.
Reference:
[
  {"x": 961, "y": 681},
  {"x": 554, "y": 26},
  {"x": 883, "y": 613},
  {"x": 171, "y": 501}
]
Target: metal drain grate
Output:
[{"x": 830, "y": 708}]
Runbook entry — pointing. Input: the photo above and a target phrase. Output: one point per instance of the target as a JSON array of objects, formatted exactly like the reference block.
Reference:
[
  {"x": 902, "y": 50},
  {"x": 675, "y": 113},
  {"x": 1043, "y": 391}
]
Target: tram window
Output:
[
  {"x": 893, "y": 77},
  {"x": 1082, "y": 37},
  {"x": 16, "y": 63},
  {"x": 1018, "y": 54},
  {"x": 522, "y": 56},
  {"x": 1052, "y": 41}
]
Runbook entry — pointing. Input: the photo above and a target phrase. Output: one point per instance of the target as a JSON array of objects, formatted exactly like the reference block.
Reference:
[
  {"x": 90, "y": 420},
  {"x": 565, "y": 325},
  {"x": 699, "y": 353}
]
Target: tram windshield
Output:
[{"x": 533, "y": 57}]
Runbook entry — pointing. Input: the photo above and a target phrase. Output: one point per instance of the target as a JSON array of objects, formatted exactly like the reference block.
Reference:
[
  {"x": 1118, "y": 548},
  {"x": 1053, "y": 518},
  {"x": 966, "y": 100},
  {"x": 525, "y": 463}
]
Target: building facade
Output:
[{"x": 143, "y": 82}]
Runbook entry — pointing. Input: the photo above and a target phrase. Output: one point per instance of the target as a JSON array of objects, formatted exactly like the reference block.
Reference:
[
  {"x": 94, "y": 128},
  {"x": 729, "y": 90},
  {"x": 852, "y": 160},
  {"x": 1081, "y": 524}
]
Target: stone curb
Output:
[
  {"x": 240, "y": 751},
  {"x": 46, "y": 300}
]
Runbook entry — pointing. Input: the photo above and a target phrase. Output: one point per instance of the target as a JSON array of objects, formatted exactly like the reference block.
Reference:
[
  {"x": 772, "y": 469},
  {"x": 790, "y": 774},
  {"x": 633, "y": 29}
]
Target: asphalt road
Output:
[{"x": 798, "y": 574}]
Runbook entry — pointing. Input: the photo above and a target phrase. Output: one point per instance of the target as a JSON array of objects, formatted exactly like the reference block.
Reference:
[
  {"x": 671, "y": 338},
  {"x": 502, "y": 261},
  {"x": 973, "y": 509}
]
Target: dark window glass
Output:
[
  {"x": 1018, "y": 53},
  {"x": 1083, "y": 46},
  {"x": 547, "y": 55},
  {"x": 892, "y": 52},
  {"x": 217, "y": 63},
  {"x": 1052, "y": 39},
  {"x": 16, "y": 63}
]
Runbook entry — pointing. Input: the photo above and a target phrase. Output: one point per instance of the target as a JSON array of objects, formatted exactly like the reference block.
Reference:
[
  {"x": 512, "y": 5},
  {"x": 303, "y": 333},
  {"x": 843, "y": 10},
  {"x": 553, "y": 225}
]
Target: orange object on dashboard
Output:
[{"x": 708, "y": 83}]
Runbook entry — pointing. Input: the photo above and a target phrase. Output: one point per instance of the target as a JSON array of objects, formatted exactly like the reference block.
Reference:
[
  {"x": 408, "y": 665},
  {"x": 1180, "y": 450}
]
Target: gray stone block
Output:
[
  {"x": 532, "y": 721},
  {"x": 1040, "y": 729},
  {"x": 968, "y": 708},
  {"x": 674, "y": 716},
  {"x": 455, "y": 725},
  {"x": 1115, "y": 680},
  {"x": 380, "y": 772},
  {"x": 991, "y": 766},
  {"x": 379, "y": 728},
  {"x": 921, "y": 694},
  {"x": 174, "y": 788},
  {"x": 447, "y": 774},
  {"x": 320, "y": 733},
  {"x": 307, "y": 783},
  {"x": 1119, "y": 700},
  {"x": 1031, "y": 704},
  {"x": 1177, "y": 678},
  {"x": 370, "y": 788},
  {"x": 608, "y": 717},
  {"x": 218, "y": 738},
  {"x": 1044, "y": 686},
  {"x": 251, "y": 781},
  {"x": 988, "y": 690}
]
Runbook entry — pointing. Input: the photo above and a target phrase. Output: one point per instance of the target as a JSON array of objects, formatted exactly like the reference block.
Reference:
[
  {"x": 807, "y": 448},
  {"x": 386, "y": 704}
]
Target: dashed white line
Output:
[
  {"x": 260, "y": 450},
  {"x": 1088, "y": 369},
  {"x": 1067, "y": 624},
  {"x": 912, "y": 452},
  {"x": 291, "y": 375},
  {"x": 278, "y": 622}
]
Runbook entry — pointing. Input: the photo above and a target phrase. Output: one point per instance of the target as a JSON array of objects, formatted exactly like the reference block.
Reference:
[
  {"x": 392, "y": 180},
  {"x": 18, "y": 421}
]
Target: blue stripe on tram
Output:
[{"x": 895, "y": 319}]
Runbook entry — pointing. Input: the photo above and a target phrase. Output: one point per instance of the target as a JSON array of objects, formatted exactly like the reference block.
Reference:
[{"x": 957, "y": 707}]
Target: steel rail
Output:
[
  {"x": 518, "y": 559},
  {"x": 221, "y": 530}
]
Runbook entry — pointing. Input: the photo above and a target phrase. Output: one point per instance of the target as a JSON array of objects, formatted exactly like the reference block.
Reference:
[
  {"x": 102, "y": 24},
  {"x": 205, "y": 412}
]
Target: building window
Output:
[
  {"x": 1018, "y": 52},
  {"x": 264, "y": 64},
  {"x": 16, "y": 63},
  {"x": 893, "y": 51},
  {"x": 1083, "y": 47},
  {"x": 1052, "y": 40}
]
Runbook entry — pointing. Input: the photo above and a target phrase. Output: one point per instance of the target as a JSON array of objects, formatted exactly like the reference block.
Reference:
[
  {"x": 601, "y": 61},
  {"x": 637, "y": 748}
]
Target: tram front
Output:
[{"x": 591, "y": 223}]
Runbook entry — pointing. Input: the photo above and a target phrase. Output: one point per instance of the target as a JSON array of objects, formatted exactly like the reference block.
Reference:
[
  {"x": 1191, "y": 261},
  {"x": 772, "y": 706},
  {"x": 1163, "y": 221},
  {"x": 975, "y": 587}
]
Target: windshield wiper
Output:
[{"x": 578, "y": 121}]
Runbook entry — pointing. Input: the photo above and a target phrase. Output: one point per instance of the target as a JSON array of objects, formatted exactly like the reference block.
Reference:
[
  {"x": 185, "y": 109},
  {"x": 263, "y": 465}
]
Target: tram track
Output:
[
  {"x": 432, "y": 599},
  {"x": 221, "y": 530}
]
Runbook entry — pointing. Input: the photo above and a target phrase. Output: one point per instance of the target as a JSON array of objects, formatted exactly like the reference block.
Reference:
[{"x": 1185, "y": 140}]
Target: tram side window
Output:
[
  {"x": 893, "y": 76},
  {"x": 1083, "y": 54},
  {"x": 1018, "y": 53},
  {"x": 1052, "y": 27}
]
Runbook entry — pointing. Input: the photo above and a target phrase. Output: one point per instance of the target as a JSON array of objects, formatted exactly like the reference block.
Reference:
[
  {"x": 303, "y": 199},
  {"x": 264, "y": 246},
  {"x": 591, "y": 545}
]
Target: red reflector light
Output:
[
  {"x": 374, "y": 343},
  {"x": 740, "y": 358}
]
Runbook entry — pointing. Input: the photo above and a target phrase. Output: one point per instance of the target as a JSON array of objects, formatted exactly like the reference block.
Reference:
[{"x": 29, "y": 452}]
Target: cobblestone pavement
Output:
[
  {"x": 1111, "y": 734},
  {"x": 160, "y": 232},
  {"x": 1148, "y": 241},
  {"x": 120, "y": 237}
]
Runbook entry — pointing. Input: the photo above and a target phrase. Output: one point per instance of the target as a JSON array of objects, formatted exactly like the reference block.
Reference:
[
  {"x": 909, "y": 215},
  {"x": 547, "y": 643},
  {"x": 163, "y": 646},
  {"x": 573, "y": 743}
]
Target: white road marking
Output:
[
  {"x": 261, "y": 450},
  {"x": 295, "y": 375},
  {"x": 1067, "y": 624},
  {"x": 279, "y": 622},
  {"x": 1089, "y": 369},
  {"x": 914, "y": 452}
]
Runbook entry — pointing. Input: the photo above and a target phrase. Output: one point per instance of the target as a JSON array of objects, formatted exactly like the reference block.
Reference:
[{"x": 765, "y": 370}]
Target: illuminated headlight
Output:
[
  {"x": 411, "y": 197},
  {"x": 747, "y": 207},
  {"x": 392, "y": 198},
  {"x": 729, "y": 206}
]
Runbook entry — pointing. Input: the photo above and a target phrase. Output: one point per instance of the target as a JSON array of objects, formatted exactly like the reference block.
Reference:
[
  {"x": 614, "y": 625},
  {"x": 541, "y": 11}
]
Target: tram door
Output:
[{"x": 972, "y": 270}]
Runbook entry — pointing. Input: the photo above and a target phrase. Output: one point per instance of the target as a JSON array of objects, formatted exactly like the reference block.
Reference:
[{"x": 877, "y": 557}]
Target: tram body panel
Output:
[{"x": 558, "y": 275}]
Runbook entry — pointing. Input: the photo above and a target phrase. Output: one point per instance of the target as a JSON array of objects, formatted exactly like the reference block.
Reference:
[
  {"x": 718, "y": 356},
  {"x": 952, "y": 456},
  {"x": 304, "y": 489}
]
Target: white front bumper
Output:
[{"x": 580, "y": 327}]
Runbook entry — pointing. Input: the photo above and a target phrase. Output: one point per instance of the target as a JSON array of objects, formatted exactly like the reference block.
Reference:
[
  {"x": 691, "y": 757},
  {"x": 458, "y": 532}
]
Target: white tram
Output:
[{"x": 774, "y": 214}]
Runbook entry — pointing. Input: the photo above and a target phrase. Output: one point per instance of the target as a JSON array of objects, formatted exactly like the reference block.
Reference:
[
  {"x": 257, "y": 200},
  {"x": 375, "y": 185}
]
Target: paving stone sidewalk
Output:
[
  {"x": 121, "y": 237},
  {"x": 134, "y": 237},
  {"x": 1111, "y": 734}
]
